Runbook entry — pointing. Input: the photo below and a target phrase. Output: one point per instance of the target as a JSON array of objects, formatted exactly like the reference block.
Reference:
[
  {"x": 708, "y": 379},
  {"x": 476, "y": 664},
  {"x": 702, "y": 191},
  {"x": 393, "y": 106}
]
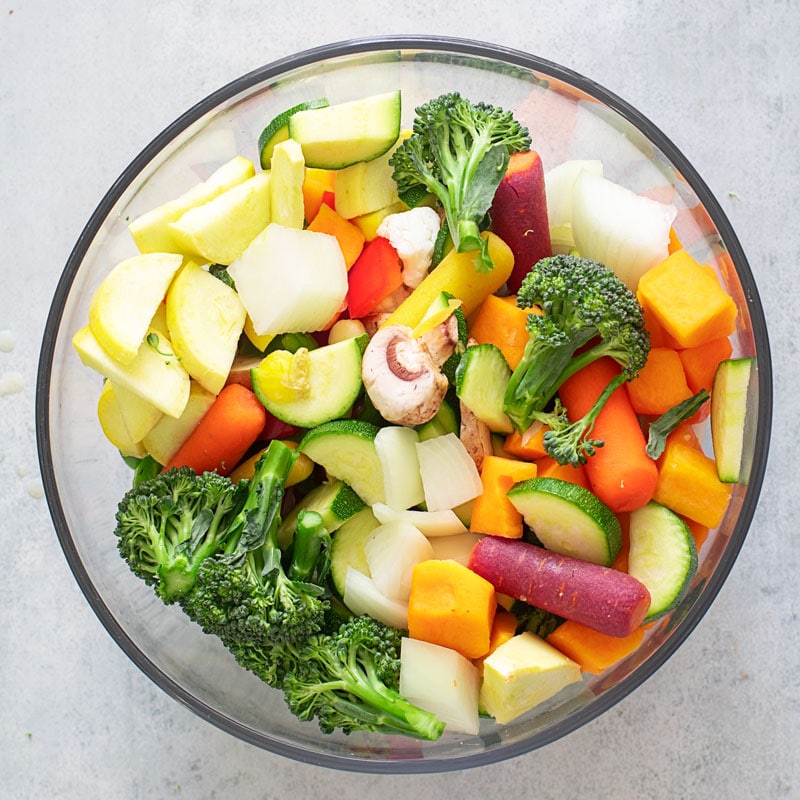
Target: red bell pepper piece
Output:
[{"x": 376, "y": 273}]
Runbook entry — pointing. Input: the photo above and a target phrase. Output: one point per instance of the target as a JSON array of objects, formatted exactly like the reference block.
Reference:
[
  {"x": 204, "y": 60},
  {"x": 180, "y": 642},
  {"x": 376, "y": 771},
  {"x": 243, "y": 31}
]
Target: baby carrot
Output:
[
  {"x": 224, "y": 434},
  {"x": 620, "y": 473}
]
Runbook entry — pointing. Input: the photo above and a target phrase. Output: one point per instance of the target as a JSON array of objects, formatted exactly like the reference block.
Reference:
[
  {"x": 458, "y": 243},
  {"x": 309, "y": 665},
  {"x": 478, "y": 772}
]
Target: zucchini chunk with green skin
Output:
[
  {"x": 332, "y": 386},
  {"x": 481, "y": 379},
  {"x": 728, "y": 416},
  {"x": 602, "y": 598},
  {"x": 663, "y": 556},
  {"x": 337, "y": 136},
  {"x": 277, "y": 130},
  {"x": 568, "y": 519},
  {"x": 345, "y": 448}
]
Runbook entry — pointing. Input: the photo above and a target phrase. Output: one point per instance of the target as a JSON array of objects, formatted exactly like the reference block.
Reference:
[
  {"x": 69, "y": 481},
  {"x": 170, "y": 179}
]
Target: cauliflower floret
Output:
[{"x": 413, "y": 234}]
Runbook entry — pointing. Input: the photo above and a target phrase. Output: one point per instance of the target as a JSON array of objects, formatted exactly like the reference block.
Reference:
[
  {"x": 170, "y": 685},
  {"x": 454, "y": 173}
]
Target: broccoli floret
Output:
[
  {"x": 348, "y": 680},
  {"x": 168, "y": 525},
  {"x": 587, "y": 312},
  {"x": 243, "y": 594},
  {"x": 459, "y": 152}
]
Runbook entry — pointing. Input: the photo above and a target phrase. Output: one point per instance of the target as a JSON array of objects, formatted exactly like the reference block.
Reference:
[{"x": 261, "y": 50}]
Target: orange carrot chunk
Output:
[
  {"x": 492, "y": 511},
  {"x": 451, "y": 606},
  {"x": 499, "y": 322},
  {"x": 594, "y": 651},
  {"x": 688, "y": 300},
  {"x": 528, "y": 445},
  {"x": 222, "y": 437},
  {"x": 350, "y": 237},
  {"x": 660, "y": 384},
  {"x": 701, "y": 362},
  {"x": 550, "y": 468},
  {"x": 620, "y": 472}
]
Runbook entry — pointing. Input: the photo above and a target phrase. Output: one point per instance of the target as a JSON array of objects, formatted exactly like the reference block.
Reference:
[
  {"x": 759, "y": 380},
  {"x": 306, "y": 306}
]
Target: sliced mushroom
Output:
[
  {"x": 403, "y": 382},
  {"x": 441, "y": 341},
  {"x": 475, "y": 436}
]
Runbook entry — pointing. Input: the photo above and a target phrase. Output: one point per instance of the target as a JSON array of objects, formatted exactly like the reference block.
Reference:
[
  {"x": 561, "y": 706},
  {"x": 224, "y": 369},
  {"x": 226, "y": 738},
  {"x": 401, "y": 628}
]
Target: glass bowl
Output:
[{"x": 569, "y": 116}]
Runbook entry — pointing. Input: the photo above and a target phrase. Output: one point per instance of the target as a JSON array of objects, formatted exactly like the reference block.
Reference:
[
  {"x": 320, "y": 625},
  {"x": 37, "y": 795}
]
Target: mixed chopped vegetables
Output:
[{"x": 413, "y": 422}]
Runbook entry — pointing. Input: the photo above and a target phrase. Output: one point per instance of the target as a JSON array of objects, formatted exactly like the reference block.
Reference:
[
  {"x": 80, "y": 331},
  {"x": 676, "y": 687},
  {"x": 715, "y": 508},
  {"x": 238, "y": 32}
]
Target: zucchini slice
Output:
[
  {"x": 568, "y": 519},
  {"x": 663, "y": 556}
]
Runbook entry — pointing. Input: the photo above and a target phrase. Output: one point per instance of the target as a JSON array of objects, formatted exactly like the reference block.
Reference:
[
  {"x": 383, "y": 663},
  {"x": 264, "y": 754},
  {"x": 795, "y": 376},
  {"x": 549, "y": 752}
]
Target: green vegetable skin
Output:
[{"x": 214, "y": 547}]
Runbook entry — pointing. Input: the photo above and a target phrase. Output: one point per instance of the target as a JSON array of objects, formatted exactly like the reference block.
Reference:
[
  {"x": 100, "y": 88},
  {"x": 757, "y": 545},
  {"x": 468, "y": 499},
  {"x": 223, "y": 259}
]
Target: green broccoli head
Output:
[
  {"x": 168, "y": 525},
  {"x": 459, "y": 151},
  {"x": 348, "y": 680},
  {"x": 245, "y": 594},
  {"x": 585, "y": 312}
]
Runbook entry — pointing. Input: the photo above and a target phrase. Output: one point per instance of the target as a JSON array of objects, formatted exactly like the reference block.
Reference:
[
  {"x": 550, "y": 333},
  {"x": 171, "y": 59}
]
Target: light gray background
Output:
[{"x": 85, "y": 85}]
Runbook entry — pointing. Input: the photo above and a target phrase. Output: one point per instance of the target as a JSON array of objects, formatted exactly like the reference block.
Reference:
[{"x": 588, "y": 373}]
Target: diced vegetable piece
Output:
[
  {"x": 434, "y": 524},
  {"x": 662, "y": 556},
  {"x": 550, "y": 468},
  {"x": 493, "y": 512},
  {"x": 326, "y": 389},
  {"x": 498, "y": 321},
  {"x": 627, "y": 232},
  {"x": 277, "y": 129},
  {"x": 138, "y": 415},
  {"x": 455, "y": 548},
  {"x": 660, "y": 384},
  {"x": 113, "y": 425},
  {"x": 350, "y": 237},
  {"x": 445, "y": 421},
  {"x": 151, "y": 230},
  {"x": 481, "y": 379},
  {"x": 449, "y": 475},
  {"x": 441, "y": 681},
  {"x": 521, "y": 674},
  {"x": 620, "y": 472},
  {"x": 688, "y": 300},
  {"x": 123, "y": 305},
  {"x": 366, "y": 193},
  {"x": 346, "y": 450},
  {"x": 220, "y": 230},
  {"x": 568, "y": 519},
  {"x": 528, "y": 445},
  {"x": 205, "y": 319},
  {"x": 602, "y": 598},
  {"x": 288, "y": 171},
  {"x": 396, "y": 446},
  {"x": 155, "y": 374},
  {"x": 376, "y": 273},
  {"x": 519, "y": 213},
  {"x": 392, "y": 551},
  {"x": 224, "y": 434},
  {"x": 700, "y": 363},
  {"x": 362, "y": 596},
  {"x": 688, "y": 483},
  {"x": 457, "y": 275},
  {"x": 347, "y": 547},
  {"x": 336, "y": 136},
  {"x": 594, "y": 651},
  {"x": 559, "y": 183},
  {"x": 452, "y": 606},
  {"x": 291, "y": 280},
  {"x": 729, "y": 398}
]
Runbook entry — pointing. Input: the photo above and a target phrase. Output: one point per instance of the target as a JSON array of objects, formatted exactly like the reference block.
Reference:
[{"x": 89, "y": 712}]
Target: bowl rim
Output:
[{"x": 274, "y": 69}]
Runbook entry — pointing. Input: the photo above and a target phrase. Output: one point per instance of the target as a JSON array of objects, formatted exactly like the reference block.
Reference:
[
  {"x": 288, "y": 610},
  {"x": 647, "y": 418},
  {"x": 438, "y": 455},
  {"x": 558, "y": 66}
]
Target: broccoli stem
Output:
[{"x": 307, "y": 546}]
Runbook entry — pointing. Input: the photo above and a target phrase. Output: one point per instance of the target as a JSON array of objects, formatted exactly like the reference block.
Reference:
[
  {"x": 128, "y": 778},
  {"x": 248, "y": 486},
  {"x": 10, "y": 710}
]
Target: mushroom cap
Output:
[{"x": 403, "y": 381}]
